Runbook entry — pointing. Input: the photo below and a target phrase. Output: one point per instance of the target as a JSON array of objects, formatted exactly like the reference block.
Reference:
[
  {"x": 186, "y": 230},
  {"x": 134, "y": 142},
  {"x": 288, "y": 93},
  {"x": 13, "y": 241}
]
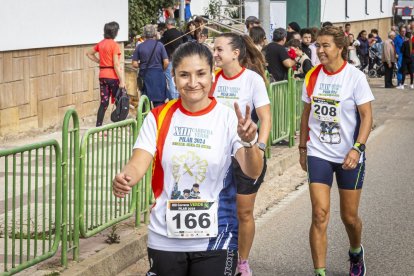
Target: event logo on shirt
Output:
[
  {"x": 329, "y": 89},
  {"x": 189, "y": 172},
  {"x": 228, "y": 92},
  {"x": 192, "y": 137}
]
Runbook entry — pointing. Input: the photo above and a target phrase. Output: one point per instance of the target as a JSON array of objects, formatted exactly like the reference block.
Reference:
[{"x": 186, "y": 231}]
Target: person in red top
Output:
[{"x": 110, "y": 76}]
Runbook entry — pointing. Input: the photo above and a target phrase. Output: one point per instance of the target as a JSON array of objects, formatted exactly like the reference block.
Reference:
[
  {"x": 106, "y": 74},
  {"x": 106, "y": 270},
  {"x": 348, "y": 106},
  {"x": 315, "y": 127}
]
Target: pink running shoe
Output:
[{"x": 243, "y": 268}]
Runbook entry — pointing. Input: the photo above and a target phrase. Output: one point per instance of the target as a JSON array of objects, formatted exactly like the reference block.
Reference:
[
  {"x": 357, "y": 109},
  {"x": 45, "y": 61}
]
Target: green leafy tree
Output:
[{"x": 142, "y": 12}]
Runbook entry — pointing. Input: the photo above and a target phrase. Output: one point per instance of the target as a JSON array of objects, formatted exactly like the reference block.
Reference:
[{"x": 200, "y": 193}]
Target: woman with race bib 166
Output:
[
  {"x": 336, "y": 123},
  {"x": 193, "y": 224}
]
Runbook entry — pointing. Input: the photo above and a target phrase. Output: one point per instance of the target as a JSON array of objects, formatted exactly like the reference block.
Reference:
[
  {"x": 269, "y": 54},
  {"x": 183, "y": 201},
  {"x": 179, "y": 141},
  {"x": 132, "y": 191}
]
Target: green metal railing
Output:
[
  {"x": 32, "y": 204},
  {"x": 144, "y": 193},
  {"x": 103, "y": 153},
  {"x": 298, "y": 86},
  {"x": 280, "y": 105}
]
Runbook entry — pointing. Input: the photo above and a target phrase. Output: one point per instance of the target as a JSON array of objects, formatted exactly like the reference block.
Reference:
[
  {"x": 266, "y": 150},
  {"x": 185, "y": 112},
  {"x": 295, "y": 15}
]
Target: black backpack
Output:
[{"x": 121, "y": 106}]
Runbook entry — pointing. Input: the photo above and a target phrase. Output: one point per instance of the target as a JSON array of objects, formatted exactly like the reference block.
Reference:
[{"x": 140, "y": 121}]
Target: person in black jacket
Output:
[
  {"x": 407, "y": 59},
  {"x": 363, "y": 49},
  {"x": 172, "y": 38}
]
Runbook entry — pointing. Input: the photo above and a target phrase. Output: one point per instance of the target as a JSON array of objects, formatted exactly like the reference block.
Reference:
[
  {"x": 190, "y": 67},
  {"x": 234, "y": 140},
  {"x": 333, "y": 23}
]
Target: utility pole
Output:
[
  {"x": 182, "y": 12},
  {"x": 264, "y": 16}
]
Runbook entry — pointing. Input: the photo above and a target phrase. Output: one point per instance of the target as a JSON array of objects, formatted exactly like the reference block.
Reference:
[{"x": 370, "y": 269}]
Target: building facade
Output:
[{"x": 43, "y": 67}]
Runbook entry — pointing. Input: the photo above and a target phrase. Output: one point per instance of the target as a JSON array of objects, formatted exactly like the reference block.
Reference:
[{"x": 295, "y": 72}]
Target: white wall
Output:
[
  {"x": 198, "y": 6},
  {"x": 334, "y": 10},
  {"x": 51, "y": 23}
]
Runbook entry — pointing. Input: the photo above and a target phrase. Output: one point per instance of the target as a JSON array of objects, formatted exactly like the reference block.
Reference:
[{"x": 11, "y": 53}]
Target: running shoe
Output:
[
  {"x": 243, "y": 268},
  {"x": 357, "y": 263},
  {"x": 401, "y": 86},
  {"x": 412, "y": 86}
]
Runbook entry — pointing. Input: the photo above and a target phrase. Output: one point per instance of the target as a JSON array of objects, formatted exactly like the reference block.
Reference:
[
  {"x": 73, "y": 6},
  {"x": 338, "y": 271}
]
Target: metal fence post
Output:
[
  {"x": 74, "y": 140},
  {"x": 292, "y": 108},
  {"x": 144, "y": 108}
]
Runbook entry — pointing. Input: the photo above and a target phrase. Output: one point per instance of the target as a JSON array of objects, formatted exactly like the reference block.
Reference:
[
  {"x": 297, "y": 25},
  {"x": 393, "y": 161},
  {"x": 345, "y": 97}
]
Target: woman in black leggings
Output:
[{"x": 110, "y": 77}]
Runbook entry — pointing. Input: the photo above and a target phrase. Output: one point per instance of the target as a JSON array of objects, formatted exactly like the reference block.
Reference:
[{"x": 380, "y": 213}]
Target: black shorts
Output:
[
  {"x": 203, "y": 263},
  {"x": 245, "y": 184},
  {"x": 322, "y": 171}
]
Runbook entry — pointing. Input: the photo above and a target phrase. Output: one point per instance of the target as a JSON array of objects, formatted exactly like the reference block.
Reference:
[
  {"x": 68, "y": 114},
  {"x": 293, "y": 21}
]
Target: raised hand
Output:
[{"x": 246, "y": 128}]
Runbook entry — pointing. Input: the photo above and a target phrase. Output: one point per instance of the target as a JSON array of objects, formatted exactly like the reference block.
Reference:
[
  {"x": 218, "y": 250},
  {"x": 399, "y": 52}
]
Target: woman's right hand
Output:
[
  {"x": 302, "y": 160},
  {"x": 120, "y": 185}
]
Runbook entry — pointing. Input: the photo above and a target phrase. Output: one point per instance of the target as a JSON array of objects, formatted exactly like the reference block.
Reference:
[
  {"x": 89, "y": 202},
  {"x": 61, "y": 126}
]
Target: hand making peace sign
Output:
[{"x": 246, "y": 128}]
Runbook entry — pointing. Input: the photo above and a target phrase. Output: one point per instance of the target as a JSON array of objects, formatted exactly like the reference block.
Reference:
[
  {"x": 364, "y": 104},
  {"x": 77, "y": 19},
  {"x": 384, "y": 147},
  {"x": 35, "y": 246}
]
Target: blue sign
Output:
[{"x": 406, "y": 11}]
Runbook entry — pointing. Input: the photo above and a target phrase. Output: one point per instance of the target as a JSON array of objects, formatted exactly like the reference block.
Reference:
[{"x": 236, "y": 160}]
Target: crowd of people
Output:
[{"x": 207, "y": 151}]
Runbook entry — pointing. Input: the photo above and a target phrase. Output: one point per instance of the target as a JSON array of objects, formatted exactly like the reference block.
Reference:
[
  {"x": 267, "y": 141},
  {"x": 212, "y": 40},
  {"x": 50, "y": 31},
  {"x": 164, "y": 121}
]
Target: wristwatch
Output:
[
  {"x": 261, "y": 146},
  {"x": 359, "y": 147}
]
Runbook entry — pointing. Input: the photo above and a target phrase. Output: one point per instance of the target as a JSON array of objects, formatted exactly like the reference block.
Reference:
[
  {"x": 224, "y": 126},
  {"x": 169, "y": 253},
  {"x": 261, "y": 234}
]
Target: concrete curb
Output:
[{"x": 115, "y": 258}]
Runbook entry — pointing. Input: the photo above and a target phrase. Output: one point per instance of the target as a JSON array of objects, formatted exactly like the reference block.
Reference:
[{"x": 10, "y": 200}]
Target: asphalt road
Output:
[{"x": 281, "y": 244}]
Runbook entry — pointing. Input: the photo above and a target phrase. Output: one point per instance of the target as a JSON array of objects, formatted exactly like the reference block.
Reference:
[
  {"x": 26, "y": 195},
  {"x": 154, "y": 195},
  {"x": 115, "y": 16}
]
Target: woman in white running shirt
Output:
[
  {"x": 191, "y": 141},
  {"x": 335, "y": 126},
  {"x": 241, "y": 79}
]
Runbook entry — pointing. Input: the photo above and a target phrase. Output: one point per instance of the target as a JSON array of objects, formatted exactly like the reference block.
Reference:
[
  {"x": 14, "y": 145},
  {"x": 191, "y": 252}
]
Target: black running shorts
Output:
[{"x": 203, "y": 263}]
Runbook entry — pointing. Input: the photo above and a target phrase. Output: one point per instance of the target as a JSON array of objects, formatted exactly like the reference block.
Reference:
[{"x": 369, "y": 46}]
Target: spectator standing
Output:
[
  {"x": 376, "y": 36},
  {"x": 251, "y": 21},
  {"x": 363, "y": 49},
  {"x": 352, "y": 51},
  {"x": 347, "y": 29},
  {"x": 398, "y": 42},
  {"x": 389, "y": 59},
  {"x": 172, "y": 38},
  {"x": 292, "y": 29},
  {"x": 303, "y": 63},
  {"x": 314, "y": 57},
  {"x": 187, "y": 14},
  {"x": 191, "y": 32},
  {"x": 277, "y": 58},
  {"x": 258, "y": 35},
  {"x": 407, "y": 60},
  {"x": 110, "y": 72},
  {"x": 152, "y": 59},
  {"x": 306, "y": 35}
]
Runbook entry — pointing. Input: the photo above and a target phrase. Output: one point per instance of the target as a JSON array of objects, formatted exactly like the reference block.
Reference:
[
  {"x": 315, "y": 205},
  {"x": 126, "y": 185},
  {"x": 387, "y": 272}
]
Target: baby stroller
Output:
[{"x": 376, "y": 67}]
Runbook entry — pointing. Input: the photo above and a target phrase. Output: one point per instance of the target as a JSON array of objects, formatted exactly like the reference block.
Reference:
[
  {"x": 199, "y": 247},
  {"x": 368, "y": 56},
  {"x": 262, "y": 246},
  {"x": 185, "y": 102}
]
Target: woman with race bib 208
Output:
[
  {"x": 336, "y": 123},
  {"x": 191, "y": 140}
]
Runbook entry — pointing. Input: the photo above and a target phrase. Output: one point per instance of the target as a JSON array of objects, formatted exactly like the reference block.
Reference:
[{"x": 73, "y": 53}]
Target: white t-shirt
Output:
[
  {"x": 195, "y": 148},
  {"x": 334, "y": 120},
  {"x": 246, "y": 88}
]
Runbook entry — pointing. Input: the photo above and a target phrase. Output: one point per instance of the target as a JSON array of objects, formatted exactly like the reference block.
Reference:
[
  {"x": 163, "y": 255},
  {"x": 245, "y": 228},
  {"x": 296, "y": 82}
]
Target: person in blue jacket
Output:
[
  {"x": 363, "y": 49},
  {"x": 187, "y": 10},
  {"x": 398, "y": 42}
]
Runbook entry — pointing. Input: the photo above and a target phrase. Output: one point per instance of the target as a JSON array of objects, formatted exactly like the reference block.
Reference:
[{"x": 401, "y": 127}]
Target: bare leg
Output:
[
  {"x": 320, "y": 198},
  {"x": 245, "y": 207},
  {"x": 349, "y": 202}
]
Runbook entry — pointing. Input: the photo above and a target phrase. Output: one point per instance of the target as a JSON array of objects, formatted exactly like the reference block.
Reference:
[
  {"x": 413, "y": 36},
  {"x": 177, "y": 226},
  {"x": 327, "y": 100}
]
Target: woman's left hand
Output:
[
  {"x": 351, "y": 160},
  {"x": 246, "y": 128}
]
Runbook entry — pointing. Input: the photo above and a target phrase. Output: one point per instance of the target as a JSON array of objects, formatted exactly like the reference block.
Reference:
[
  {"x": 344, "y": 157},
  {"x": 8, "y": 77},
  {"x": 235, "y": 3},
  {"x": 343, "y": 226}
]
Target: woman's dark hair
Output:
[
  {"x": 339, "y": 38},
  {"x": 257, "y": 34},
  {"x": 191, "y": 49},
  {"x": 249, "y": 57},
  {"x": 360, "y": 33},
  {"x": 196, "y": 31},
  {"x": 111, "y": 30}
]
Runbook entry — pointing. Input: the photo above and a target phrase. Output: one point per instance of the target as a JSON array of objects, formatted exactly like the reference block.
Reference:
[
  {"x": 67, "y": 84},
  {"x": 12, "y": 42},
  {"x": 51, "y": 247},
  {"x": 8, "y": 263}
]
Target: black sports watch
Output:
[
  {"x": 261, "y": 146},
  {"x": 359, "y": 147}
]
